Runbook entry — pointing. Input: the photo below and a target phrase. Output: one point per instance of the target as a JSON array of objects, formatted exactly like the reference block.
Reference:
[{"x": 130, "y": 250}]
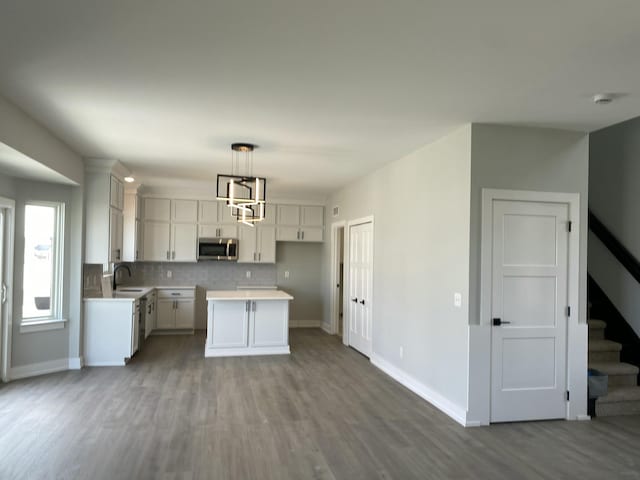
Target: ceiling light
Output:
[
  {"x": 129, "y": 179},
  {"x": 603, "y": 98},
  {"x": 244, "y": 193}
]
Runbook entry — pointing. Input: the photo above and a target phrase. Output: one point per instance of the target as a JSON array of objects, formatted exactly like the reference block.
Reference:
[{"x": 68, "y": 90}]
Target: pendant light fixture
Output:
[{"x": 244, "y": 194}]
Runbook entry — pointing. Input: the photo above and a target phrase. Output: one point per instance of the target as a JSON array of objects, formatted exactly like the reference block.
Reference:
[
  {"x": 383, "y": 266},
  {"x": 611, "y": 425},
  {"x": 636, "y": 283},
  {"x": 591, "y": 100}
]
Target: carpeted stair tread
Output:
[
  {"x": 615, "y": 368},
  {"x": 595, "y": 323},
  {"x": 621, "y": 394},
  {"x": 604, "y": 346}
]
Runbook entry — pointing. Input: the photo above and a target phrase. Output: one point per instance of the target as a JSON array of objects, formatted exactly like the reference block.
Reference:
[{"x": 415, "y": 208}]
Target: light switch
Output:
[
  {"x": 169, "y": 274},
  {"x": 457, "y": 300},
  {"x": 286, "y": 274},
  {"x": 248, "y": 273}
]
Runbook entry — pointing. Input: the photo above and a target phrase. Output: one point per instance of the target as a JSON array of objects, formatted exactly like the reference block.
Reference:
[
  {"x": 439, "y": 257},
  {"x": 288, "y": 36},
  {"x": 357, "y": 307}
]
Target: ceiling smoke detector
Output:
[{"x": 602, "y": 98}]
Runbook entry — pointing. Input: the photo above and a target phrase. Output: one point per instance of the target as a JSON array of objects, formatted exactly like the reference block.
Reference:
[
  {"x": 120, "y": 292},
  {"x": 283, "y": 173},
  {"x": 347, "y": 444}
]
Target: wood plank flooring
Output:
[{"x": 321, "y": 413}]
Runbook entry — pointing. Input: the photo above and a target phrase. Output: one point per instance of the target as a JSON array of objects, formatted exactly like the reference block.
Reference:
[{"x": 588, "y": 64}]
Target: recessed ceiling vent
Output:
[
  {"x": 336, "y": 211},
  {"x": 603, "y": 98}
]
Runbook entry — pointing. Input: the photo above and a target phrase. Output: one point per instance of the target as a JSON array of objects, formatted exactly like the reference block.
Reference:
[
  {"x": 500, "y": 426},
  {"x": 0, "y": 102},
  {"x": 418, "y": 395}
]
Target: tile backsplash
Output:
[{"x": 209, "y": 275}]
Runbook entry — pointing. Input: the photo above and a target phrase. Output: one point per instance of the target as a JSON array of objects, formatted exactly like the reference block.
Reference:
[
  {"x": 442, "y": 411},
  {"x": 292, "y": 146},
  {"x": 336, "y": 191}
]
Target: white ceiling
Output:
[{"x": 329, "y": 90}]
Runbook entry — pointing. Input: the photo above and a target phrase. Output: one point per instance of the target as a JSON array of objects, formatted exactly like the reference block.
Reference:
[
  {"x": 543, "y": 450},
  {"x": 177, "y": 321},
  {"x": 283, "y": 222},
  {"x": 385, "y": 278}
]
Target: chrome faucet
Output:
[{"x": 116, "y": 269}]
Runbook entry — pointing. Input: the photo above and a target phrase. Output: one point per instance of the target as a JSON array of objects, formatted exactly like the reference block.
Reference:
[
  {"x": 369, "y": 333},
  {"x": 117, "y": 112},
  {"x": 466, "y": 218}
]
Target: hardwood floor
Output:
[{"x": 321, "y": 413}]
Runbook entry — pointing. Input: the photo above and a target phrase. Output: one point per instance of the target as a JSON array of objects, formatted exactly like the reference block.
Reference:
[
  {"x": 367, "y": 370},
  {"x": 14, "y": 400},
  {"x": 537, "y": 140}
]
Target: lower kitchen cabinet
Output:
[
  {"x": 110, "y": 331},
  {"x": 247, "y": 327},
  {"x": 176, "y": 309}
]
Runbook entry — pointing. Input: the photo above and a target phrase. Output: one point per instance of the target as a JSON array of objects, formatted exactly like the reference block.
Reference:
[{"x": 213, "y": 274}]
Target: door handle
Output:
[
  {"x": 498, "y": 321},
  {"x": 4, "y": 293},
  {"x": 354, "y": 300},
  {"x": 362, "y": 302}
]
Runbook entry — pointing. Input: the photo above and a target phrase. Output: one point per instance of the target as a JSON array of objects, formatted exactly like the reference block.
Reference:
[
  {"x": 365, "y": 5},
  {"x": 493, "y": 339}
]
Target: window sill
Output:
[{"x": 43, "y": 325}]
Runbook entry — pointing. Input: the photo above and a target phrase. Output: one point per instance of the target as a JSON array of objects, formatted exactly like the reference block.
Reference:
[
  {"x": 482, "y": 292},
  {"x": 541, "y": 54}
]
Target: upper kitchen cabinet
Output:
[
  {"x": 257, "y": 244},
  {"x": 300, "y": 223},
  {"x": 132, "y": 231},
  {"x": 170, "y": 231},
  {"x": 104, "y": 194}
]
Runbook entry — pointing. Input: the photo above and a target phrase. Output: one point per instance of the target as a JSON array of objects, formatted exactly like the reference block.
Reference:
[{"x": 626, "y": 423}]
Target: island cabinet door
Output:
[
  {"x": 269, "y": 323},
  {"x": 228, "y": 322}
]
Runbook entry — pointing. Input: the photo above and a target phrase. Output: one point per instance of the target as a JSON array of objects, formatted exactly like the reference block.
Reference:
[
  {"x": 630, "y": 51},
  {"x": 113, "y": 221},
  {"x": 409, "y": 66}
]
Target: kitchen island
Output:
[{"x": 247, "y": 322}]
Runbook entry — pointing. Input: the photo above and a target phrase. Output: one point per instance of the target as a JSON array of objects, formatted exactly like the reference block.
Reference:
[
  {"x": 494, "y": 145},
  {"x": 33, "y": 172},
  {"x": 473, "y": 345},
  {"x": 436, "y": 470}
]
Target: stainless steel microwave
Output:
[{"x": 217, "y": 249}]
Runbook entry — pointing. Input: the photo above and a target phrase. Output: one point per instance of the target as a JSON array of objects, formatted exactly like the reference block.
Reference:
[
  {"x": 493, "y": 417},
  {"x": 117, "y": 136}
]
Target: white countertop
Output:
[
  {"x": 231, "y": 295},
  {"x": 123, "y": 295}
]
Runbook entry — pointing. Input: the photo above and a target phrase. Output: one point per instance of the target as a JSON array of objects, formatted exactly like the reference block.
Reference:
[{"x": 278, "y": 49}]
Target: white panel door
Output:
[
  {"x": 529, "y": 310},
  {"x": 360, "y": 286}
]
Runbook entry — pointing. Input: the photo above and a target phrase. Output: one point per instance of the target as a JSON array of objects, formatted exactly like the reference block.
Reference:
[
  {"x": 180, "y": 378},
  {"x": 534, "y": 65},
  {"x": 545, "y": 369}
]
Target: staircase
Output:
[{"x": 604, "y": 355}]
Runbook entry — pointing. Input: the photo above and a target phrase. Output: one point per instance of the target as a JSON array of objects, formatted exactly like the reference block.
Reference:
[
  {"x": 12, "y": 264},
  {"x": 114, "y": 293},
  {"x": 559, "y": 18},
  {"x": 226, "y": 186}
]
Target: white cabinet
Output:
[
  {"x": 300, "y": 223},
  {"x": 110, "y": 331},
  {"x": 132, "y": 231},
  {"x": 215, "y": 231},
  {"x": 247, "y": 327},
  {"x": 104, "y": 202},
  {"x": 170, "y": 231},
  {"x": 150, "y": 313},
  {"x": 115, "y": 234},
  {"x": 257, "y": 244},
  {"x": 176, "y": 309}
]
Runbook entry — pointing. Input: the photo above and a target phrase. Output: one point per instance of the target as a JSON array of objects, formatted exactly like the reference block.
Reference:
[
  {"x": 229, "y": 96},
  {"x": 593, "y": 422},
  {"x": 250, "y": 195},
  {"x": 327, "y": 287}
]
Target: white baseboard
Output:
[
  {"x": 326, "y": 328},
  {"x": 40, "y": 368},
  {"x": 109, "y": 363},
  {"x": 305, "y": 323},
  {"x": 420, "y": 389},
  {"x": 583, "y": 418},
  {"x": 76, "y": 363},
  {"x": 243, "y": 352}
]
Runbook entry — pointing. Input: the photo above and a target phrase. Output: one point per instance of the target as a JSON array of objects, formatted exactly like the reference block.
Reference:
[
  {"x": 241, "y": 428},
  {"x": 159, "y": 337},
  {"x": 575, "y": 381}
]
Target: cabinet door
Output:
[
  {"x": 269, "y": 323},
  {"x": 229, "y": 322},
  {"x": 115, "y": 234},
  {"x": 225, "y": 214},
  {"x": 157, "y": 209},
  {"x": 266, "y": 244},
  {"x": 288, "y": 215},
  {"x": 287, "y": 234},
  {"x": 184, "y": 211},
  {"x": 312, "y": 216},
  {"x": 228, "y": 231},
  {"x": 156, "y": 241},
  {"x": 247, "y": 251},
  {"x": 270, "y": 214},
  {"x": 116, "y": 193},
  {"x": 208, "y": 211},
  {"x": 138, "y": 242},
  {"x": 208, "y": 231},
  {"x": 166, "y": 317},
  {"x": 183, "y": 241},
  {"x": 185, "y": 314},
  {"x": 312, "y": 234}
]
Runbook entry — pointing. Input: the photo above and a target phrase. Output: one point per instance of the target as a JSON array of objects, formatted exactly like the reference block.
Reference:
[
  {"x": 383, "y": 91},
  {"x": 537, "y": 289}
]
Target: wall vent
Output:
[{"x": 336, "y": 211}]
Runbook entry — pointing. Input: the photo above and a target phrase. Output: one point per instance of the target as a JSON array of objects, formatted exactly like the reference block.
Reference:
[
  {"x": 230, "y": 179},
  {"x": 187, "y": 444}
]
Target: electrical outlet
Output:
[
  {"x": 457, "y": 300},
  {"x": 169, "y": 274},
  {"x": 248, "y": 273},
  {"x": 286, "y": 274},
  {"x": 401, "y": 352}
]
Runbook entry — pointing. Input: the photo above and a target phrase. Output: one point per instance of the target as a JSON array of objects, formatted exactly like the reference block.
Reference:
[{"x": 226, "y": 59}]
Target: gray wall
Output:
[
  {"x": 614, "y": 196},
  {"x": 303, "y": 261},
  {"x": 523, "y": 158},
  {"x": 35, "y": 347},
  {"x": 420, "y": 205}
]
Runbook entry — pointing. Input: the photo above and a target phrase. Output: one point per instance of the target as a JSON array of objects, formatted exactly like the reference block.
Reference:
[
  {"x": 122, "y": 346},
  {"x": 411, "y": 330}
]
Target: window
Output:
[{"x": 43, "y": 247}]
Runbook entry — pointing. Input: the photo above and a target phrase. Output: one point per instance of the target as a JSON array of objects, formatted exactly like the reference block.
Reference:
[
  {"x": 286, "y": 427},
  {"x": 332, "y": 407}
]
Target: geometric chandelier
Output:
[{"x": 244, "y": 194}]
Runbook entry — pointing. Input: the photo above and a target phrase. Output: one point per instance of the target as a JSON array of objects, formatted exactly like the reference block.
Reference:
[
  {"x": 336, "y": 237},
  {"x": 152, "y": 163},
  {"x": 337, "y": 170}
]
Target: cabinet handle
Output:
[
  {"x": 259, "y": 256},
  {"x": 246, "y": 307},
  {"x": 254, "y": 306},
  {"x": 137, "y": 255},
  {"x": 298, "y": 235},
  {"x": 173, "y": 255},
  {"x": 168, "y": 257},
  {"x": 118, "y": 254},
  {"x": 302, "y": 234},
  {"x": 254, "y": 256}
]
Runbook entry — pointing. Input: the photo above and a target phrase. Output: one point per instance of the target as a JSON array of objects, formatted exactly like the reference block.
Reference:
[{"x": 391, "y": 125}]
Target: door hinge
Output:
[
  {"x": 567, "y": 395},
  {"x": 568, "y": 311},
  {"x": 569, "y": 226}
]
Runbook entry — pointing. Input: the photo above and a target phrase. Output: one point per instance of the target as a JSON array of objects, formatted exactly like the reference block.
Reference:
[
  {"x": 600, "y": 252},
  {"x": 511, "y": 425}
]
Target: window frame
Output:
[{"x": 55, "y": 319}]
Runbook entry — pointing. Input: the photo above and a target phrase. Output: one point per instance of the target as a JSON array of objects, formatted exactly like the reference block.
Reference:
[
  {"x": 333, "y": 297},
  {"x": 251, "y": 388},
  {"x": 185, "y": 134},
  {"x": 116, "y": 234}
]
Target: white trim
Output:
[
  {"x": 434, "y": 398},
  {"x": 6, "y": 322},
  {"x": 76, "y": 363},
  {"x": 111, "y": 363},
  {"x": 583, "y": 418},
  {"x": 305, "y": 323},
  {"x": 489, "y": 195},
  {"x": 334, "y": 312},
  {"x": 347, "y": 266},
  {"x": 43, "y": 325},
  {"x": 40, "y": 368},
  {"x": 244, "y": 351},
  {"x": 326, "y": 328}
]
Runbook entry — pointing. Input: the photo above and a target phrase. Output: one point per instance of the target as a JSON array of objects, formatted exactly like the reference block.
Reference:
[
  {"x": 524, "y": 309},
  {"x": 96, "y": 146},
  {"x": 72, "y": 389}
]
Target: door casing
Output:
[
  {"x": 335, "y": 271},
  {"x": 6, "y": 321}
]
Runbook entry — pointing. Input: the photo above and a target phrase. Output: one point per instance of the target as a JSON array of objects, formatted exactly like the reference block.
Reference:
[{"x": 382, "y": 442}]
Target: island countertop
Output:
[{"x": 235, "y": 295}]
